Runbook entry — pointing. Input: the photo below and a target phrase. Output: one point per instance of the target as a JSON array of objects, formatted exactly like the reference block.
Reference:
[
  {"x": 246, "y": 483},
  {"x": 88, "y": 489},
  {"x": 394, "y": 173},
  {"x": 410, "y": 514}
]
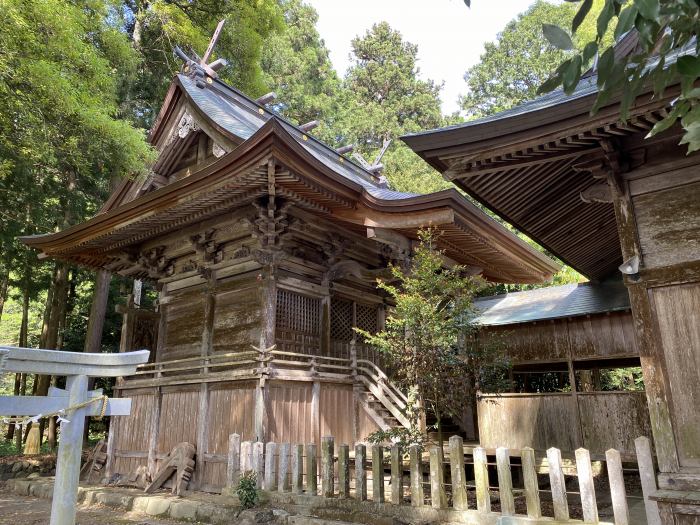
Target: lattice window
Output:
[
  {"x": 298, "y": 313},
  {"x": 367, "y": 317},
  {"x": 341, "y": 319}
]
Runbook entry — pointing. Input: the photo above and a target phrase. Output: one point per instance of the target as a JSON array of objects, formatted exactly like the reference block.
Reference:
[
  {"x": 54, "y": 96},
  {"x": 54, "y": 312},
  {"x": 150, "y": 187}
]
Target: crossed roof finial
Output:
[{"x": 202, "y": 67}]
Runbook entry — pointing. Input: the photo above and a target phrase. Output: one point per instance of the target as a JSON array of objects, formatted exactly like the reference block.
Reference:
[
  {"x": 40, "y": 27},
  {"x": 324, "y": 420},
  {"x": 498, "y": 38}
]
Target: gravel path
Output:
[{"x": 24, "y": 510}]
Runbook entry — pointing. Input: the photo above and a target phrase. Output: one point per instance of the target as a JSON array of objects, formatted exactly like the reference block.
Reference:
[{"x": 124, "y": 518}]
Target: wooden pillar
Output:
[
  {"x": 344, "y": 471},
  {"x": 651, "y": 352},
  {"x": 316, "y": 412},
  {"x": 327, "y": 471},
  {"x": 360, "y": 472},
  {"x": 396, "y": 475},
  {"x": 416, "y": 470},
  {"x": 233, "y": 461},
  {"x": 267, "y": 340},
  {"x": 311, "y": 469},
  {"x": 458, "y": 476},
  {"x": 298, "y": 469},
  {"x": 326, "y": 326},
  {"x": 153, "y": 437},
  {"x": 203, "y": 409},
  {"x": 378, "y": 473}
]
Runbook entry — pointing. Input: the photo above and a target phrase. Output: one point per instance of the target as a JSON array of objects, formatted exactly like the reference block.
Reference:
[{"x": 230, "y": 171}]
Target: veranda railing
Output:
[
  {"x": 274, "y": 364},
  {"x": 466, "y": 483}
]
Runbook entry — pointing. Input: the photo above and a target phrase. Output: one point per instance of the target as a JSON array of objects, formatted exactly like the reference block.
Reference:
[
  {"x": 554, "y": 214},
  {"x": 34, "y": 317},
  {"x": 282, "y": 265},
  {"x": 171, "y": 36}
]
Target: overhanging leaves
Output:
[{"x": 556, "y": 36}]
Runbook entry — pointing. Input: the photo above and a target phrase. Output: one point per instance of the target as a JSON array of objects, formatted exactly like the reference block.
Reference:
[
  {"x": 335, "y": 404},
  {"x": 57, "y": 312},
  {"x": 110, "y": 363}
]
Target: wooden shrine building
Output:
[
  {"x": 563, "y": 341},
  {"x": 605, "y": 199},
  {"x": 265, "y": 245}
]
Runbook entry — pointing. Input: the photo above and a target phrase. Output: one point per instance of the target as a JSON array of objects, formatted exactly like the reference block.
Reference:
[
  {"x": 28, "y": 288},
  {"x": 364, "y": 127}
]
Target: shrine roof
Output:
[
  {"x": 555, "y": 302},
  {"x": 310, "y": 173},
  {"x": 242, "y": 117},
  {"x": 531, "y": 164}
]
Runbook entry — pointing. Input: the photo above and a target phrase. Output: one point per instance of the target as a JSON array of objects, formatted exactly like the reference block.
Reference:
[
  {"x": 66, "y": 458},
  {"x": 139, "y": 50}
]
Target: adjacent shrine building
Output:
[
  {"x": 265, "y": 246},
  {"x": 605, "y": 199}
]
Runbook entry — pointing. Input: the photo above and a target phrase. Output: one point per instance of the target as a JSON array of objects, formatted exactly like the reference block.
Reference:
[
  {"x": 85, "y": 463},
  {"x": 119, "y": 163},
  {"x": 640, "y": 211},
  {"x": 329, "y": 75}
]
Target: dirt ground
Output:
[{"x": 23, "y": 510}]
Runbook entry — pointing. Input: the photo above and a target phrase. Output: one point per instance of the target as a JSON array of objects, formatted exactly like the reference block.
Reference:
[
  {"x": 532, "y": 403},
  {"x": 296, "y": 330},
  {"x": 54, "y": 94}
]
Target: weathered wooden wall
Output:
[
  {"x": 597, "y": 421},
  {"x": 133, "y": 432},
  {"x": 587, "y": 337},
  {"x": 664, "y": 198}
]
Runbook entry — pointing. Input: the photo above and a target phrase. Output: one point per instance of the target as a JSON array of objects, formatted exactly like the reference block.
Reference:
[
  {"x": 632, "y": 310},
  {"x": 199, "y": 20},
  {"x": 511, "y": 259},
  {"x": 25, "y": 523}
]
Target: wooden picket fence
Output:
[{"x": 294, "y": 469}]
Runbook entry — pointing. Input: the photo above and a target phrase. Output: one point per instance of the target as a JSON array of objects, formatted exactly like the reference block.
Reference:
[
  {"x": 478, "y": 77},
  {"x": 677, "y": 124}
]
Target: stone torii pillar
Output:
[{"x": 74, "y": 404}]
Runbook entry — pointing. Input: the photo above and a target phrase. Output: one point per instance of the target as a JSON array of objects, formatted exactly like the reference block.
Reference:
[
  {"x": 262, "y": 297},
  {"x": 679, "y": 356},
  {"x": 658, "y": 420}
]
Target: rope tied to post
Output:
[{"x": 60, "y": 413}]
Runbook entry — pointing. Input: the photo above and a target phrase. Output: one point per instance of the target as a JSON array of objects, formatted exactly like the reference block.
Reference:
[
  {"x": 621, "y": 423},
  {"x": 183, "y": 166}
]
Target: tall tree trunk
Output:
[
  {"x": 23, "y": 329},
  {"x": 96, "y": 322},
  {"x": 4, "y": 281},
  {"x": 18, "y": 432},
  {"x": 98, "y": 309},
  {"x": 55, "y": 309}
]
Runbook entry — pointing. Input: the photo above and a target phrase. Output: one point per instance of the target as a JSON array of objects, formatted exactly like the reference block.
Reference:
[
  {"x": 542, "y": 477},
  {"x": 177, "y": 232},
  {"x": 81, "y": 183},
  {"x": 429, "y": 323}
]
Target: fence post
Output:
[
  {"x": 298, "y": 469},
  {"x": 417, "y": 498},
  {"x": 270, "y": 470},
  {"x": 481, "y": 477},
  {"x": 558, "y": 485},
  {"x": 246, "y": 456},
  {"x": 459, "y": 483},
  {"x": 327, "y": 450},
  {"x": 586, "y": 487},
  {"x": 532, "y": 489},
  {"x": 505, "y": 481},
  {"x": 233, "y": 461},
  {"x": 344, "y": 471},
  {"x": 283, "y": 469},
  {"x": 617, "y": 487},
  {"x": 378, "y": 473},
  {"x": 360, "y": 473},
  {"x": 311, "y": 469},
  {"x": 647, "y": 474},
  {"x": 438, "y": 497},
  {"x": 396, "y": 475}
]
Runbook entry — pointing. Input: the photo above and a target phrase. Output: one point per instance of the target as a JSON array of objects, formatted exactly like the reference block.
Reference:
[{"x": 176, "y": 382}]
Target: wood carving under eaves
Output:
[
  {"x": 270, "y": 227},
  {"x": 350, "y": 268},
  {"x": 155, "y": 263},
  {"x": 395, "y": 255},
  {"x": 204, "y": 245}
]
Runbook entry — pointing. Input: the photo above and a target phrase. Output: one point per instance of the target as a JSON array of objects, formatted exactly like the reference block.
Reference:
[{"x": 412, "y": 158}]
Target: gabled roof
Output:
[
  {"x": 531, "y": 164},
  {"x": 307, "y": 172},
  {"x": 556, "y": 302}
]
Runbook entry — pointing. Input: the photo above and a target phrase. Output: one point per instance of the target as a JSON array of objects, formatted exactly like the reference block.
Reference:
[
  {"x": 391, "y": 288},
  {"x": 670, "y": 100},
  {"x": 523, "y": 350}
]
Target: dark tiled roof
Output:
[
  {"x": 555, "y": 302},
  {"x": 241, "y": 116}
]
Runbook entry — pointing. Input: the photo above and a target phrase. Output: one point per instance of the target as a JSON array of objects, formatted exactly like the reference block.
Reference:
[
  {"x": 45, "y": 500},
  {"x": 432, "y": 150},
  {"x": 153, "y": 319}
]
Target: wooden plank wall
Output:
[
  {"x": 585, "y": 337},
  {"x": 237, "y": 312},
  {"x": 132, "y": 432},
  {"x": 230, "y": 410},
  {"x": 678, "y": 316},
  {"x": 597, "y": 421},
  {"x": 336, "y": 409},
  {"x": 184, "y": 322},
  {"x": 665, "y": 195},
  {"x": 289, "y": 412}
]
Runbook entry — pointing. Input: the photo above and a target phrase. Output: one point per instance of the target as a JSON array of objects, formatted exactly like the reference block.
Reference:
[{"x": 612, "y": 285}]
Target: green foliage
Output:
[
  {"x": 666, "y": 30},
  {"x": 296, "y": 65},
  {"x": 402, "y": 436},
  {"x": 247, "y": 491},
  {"x": 429, "y": 338},
  {"x": 157, "y": 26},
  {"x": 622, "y": 379},
  {"x": 512, "y": 69},
  {"x": 384, "y": 98}
]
